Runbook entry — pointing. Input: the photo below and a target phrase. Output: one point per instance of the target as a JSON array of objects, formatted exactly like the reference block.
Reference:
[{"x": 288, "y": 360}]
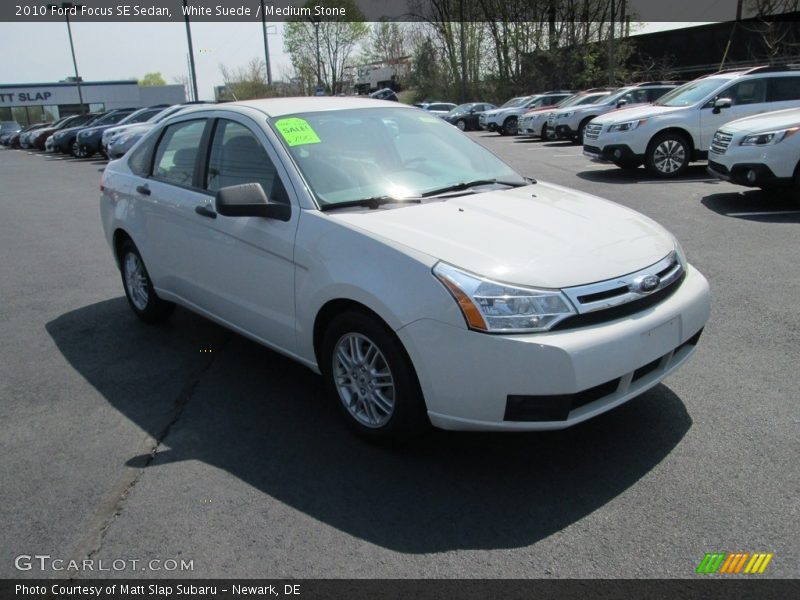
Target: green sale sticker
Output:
[{"x": 297, "y": 132}]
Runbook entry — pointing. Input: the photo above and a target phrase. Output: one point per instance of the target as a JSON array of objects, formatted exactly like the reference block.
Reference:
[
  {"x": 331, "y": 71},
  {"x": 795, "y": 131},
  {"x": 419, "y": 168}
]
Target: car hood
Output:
[
  {"x": 639, "y": 111},
  {"x": 540, "y": 235},
  {"x": 779, "y": 119}
]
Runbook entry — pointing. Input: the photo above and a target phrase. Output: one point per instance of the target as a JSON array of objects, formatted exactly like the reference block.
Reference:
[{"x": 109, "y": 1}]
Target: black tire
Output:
[
  {"x": 149, "y": 308},
  {"x": 668, "y": 155},
  {"x": 579, "y": 138},
  {"x": 462, "y": 125},
  {"x": 510, "y": 126},
  {"x": 408, "y": 416},
  {"x": 543, "y": 134}
]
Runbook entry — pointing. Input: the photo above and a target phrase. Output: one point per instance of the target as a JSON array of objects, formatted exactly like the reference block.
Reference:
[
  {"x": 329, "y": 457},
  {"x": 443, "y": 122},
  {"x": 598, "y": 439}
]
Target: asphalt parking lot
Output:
[{"x": 187, "y": 442}]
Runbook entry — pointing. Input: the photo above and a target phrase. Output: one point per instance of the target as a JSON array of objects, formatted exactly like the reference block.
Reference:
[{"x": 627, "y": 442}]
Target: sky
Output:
[{"x": 39, "y": 52}]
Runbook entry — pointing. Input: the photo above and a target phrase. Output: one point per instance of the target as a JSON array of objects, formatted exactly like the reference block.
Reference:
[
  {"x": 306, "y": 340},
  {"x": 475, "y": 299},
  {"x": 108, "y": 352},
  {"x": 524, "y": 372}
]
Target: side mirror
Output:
[
  {"x": 721, "y": 103},
  {"x": 472, "y": 111},
  {"x": 249, "y": 200},
  {"x": 621, "y": 103}
]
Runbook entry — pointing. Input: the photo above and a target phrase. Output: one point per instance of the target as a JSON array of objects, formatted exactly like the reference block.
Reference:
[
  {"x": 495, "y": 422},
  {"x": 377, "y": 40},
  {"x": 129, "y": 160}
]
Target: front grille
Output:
[
  {"x": 592, "y": 131},
  {"x": 613, "y": 296},
  {"x": 721, "y": 142}
]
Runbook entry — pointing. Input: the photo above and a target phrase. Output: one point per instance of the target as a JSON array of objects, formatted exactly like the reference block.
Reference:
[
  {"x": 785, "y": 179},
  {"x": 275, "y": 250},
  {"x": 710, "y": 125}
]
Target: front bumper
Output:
[
  {"x": 570, "y": 375},
  {"x": 617, "y": 153},
  {"x": 747, "y": 174}
]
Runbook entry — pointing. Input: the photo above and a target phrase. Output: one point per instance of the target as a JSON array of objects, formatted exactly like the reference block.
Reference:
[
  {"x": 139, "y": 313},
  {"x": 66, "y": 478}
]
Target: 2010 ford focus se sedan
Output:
[{"x": 422, "y": 277}]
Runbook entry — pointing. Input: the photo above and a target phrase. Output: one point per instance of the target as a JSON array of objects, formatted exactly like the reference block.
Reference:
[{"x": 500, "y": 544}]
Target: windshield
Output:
[
  {"x": 110, "y": 118},
  {"x": 690, "y": 93},
  {"x": 462, "y": 108},
  {"x": 515, "y": 102},
  {"x": 348, "y": 155},
  {"x": 614, "y": 96},
  {"x": 590, "y": 99},
  {"x": 140, "y": 115}
]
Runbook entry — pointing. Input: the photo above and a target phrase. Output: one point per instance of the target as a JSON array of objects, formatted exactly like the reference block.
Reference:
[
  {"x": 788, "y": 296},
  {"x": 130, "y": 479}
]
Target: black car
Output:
[
  {"x": 465, "y": 116},
  {"x": 385, "y": 94}
]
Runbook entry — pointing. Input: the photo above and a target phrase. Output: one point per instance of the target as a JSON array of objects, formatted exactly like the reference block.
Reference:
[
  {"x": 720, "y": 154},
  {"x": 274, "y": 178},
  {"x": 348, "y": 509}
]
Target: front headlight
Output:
[
  {"x": 680, "y": 254},
  {"x": 769, "y": 137},
  {"x": 565, "y": 115},
  {"x": 496, "y": 307},
  {"x": 627, "y": 125}
]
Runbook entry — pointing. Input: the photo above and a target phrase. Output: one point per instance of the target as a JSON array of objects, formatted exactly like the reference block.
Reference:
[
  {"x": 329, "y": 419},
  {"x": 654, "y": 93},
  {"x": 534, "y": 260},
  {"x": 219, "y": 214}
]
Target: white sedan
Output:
[{"x": 422, "y": 277}]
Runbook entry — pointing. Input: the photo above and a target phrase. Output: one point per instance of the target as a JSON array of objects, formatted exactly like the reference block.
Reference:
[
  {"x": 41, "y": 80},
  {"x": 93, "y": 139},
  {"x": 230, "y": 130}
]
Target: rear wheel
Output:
[
  {"x": 509, "y": 126},
  {"x": 369, "y": 375},
  {"x": 142, "y": 298},
  {"x": 668, "y": 155}
]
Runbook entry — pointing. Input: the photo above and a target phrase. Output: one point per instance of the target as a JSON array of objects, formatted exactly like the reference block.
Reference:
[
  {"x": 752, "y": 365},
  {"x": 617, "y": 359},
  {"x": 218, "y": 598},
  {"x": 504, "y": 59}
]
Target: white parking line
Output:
[{"x": 763, "y": 213}]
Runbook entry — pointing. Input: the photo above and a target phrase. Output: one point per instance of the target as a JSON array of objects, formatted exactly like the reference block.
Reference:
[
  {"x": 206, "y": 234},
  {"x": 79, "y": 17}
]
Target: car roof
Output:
[{"x": 276, "y": 107}]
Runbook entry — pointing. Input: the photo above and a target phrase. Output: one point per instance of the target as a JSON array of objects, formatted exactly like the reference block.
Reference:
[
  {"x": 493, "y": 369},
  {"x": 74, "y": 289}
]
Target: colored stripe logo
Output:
[{"x": 734, "y": 563}]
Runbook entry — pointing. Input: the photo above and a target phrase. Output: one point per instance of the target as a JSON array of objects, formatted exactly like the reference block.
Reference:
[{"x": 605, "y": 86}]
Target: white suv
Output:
[
  {"x": 569, "y": 123},
  {"x": 678, "y": 129},
  {"x": 504, "y": 120},
  {"x": 761, "y": 151}
]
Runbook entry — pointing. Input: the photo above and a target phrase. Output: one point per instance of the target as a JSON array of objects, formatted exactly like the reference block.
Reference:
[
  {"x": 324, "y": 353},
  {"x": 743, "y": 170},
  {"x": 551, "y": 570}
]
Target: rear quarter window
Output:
[{"x": 782, "y": 89}]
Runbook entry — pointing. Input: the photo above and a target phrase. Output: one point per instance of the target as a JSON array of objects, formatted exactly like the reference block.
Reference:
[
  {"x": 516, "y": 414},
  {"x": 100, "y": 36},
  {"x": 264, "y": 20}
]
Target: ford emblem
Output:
[{"x": 645, "y": 285}]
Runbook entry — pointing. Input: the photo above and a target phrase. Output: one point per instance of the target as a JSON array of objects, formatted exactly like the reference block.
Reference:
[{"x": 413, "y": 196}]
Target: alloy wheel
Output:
[
  {"x": 364, "y": 380},
  {"x": 135, "y": 281},
  {"x": 669, "y": 156}
]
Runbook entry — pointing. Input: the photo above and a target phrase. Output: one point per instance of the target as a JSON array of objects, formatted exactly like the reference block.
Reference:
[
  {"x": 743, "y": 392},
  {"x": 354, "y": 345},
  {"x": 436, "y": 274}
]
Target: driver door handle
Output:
[{"x": 205, "y": 211}]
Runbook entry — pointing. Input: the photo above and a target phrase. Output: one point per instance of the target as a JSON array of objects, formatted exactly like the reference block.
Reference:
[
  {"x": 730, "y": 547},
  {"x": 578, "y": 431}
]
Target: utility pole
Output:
[
  {"x": 67, "y": 7},
  {"x": 611, "y": 53},
  {"x": 266, "y": 43},
  {"x": 191, "y": 53}
]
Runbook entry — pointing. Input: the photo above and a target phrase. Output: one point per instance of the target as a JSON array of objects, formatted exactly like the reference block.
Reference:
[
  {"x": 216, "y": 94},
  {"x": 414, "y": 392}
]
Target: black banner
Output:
[
  {"x": 315, "y": 10},
  {"x": 405, "y": 589}
]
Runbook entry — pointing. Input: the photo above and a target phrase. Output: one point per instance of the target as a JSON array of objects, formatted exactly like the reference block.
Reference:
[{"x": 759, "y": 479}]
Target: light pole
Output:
[
  {"x": 191, "y": 52},
  {"x": 266, "y": 43},
  {"x": 319, "y": 67},
  {"x": 67, "y": 7}
]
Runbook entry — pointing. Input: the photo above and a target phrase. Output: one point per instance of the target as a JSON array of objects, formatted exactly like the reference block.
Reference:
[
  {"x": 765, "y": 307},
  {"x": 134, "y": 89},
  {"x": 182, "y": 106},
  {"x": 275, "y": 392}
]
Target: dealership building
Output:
[{"x": 35, "y": 102}]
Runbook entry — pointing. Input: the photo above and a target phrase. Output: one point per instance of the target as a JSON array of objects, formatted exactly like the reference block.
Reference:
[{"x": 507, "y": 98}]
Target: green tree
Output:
[
  {"x": 154, "y": 78},
  {"x": 246, "y": 83},
  {"x": 334, "y": 40}
]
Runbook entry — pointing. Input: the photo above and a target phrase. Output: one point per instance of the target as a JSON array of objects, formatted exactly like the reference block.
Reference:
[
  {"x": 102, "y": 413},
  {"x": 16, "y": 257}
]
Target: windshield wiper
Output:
[
  {"x": 465, "y": 185},
  {"x": 371, "y": 203}
]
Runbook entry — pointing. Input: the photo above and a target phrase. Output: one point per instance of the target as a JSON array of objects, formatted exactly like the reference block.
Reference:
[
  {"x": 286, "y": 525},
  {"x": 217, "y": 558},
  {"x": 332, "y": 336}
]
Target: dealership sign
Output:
[{"x": 22, "y": 98}]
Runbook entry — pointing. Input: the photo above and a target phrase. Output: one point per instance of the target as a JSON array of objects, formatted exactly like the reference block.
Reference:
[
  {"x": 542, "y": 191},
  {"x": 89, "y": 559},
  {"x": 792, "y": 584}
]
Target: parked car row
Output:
[
  {"x": 743, "y": 121},
  {"x": 111, "y": 133}
]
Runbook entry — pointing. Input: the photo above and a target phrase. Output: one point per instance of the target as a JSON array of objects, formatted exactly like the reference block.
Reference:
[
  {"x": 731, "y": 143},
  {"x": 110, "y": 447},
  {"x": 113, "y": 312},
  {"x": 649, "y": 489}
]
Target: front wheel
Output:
[
  {"x": 461, "y": 124},
  {"x": 139, "y": 290},
  {"x": 668, "y": 155},
  {"x": 581, "y": 128},
  {"x": 509, "y": 126},
  {"x": 368, "y": 373}
]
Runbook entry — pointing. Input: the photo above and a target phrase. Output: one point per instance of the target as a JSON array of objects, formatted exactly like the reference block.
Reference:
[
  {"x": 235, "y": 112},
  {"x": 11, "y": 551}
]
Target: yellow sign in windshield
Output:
[{"x": 297, "y": 132}]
